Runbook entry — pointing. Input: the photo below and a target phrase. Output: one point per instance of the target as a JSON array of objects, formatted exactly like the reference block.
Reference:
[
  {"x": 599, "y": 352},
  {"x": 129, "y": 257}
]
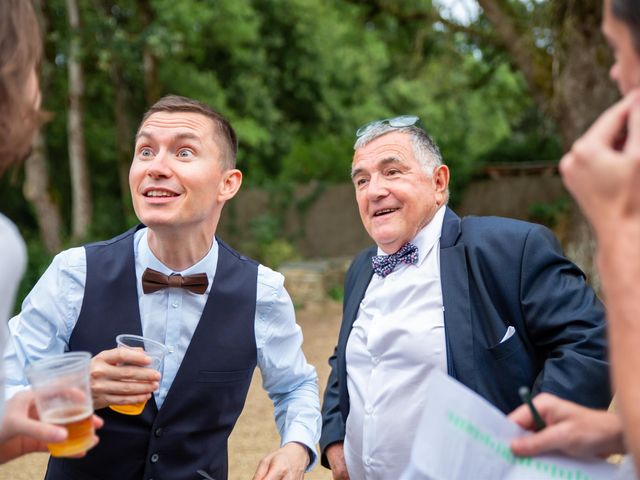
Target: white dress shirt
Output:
[
  {"x": 13, "y": 260},
  {"x": 171, "y": 315},
  {"x": 397, "y": 338}
]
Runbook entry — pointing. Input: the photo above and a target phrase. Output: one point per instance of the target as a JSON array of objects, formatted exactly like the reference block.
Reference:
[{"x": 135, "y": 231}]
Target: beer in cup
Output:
[
  {"x": 62, "y": 393},
  {"x": 155, "y": 350}
]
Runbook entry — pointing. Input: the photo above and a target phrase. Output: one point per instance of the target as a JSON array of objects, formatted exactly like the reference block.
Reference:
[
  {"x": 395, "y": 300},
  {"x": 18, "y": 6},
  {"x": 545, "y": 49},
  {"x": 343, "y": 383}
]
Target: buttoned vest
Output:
[{"x": 190, "y": 431}]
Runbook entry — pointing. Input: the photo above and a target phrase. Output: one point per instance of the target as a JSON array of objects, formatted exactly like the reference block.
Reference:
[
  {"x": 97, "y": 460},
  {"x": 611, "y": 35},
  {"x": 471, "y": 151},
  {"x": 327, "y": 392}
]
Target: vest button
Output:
[
  {"x": 159, "y": 431},
  {"x": 155, "y": 457}
]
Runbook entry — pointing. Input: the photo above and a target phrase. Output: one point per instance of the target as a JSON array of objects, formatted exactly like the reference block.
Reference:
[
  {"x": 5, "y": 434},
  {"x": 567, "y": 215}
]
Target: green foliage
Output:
[
  {"x": 336, "y": 292},
  {"x": 295, "y": 77},
  {"x": 549, "y": 214},
  {"x": 38, "y": 261},
  {"x": 265, "y": 244}
]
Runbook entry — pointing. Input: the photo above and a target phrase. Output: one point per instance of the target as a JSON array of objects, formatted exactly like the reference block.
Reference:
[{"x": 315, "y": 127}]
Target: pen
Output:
[{"x": 525, "y": 395}]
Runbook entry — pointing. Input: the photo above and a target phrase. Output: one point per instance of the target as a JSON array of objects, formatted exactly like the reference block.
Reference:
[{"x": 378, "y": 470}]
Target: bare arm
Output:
[{"x": 602, "y": 171}]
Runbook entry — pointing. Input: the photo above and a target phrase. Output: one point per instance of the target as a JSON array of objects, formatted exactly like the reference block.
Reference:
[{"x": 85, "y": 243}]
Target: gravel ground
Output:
[{"x": 255, "y": 434}]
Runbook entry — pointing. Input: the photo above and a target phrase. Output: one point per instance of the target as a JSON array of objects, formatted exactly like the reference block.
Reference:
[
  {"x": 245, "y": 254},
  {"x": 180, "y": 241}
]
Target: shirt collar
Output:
[
  {"x": 146, "y": 258},
  {"x": 428, "y": 236}
]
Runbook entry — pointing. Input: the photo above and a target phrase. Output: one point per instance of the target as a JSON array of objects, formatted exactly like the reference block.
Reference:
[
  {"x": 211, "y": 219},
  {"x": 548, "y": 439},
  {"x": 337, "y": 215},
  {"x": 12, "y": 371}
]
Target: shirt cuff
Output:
[{"x": 302, "y": 436}]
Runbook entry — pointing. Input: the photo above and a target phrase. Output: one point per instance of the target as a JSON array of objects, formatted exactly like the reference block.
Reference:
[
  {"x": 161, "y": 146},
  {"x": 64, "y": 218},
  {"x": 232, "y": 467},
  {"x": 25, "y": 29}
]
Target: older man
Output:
[
  {"x": 172, "y": 280},
  {"x": 491, "y": 301}
]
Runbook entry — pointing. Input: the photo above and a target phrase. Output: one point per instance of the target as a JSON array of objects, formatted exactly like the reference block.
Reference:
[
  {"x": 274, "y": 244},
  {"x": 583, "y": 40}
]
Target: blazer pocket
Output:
[
  {"x": 506, "y": 348},
  {"x": 207, "y": 376}
]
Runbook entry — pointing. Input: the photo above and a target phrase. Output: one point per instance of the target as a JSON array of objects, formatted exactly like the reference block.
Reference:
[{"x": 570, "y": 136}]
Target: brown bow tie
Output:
[{"x": 152, "y": 281}]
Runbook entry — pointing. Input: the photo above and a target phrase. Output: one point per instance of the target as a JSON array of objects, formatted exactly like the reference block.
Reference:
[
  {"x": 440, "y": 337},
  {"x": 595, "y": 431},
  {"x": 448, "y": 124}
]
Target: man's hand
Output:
[
  {"x": 118, "y": 377},
  {"x": 571, "y": 429},
  {"x": 335, "y": 455},
  {"x": 287, "y": 463},
  {"x": 602, "y": 170},
  {"x": 22, "y": 432}
]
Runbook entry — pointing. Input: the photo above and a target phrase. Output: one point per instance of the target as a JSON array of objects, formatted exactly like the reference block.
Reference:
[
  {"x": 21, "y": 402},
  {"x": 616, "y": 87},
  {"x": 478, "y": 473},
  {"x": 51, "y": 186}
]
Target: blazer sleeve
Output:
[
  {"x": 333, "y": 420},
  {"x": 565, "y": 321},
  {"x": 333, "y": 425}
]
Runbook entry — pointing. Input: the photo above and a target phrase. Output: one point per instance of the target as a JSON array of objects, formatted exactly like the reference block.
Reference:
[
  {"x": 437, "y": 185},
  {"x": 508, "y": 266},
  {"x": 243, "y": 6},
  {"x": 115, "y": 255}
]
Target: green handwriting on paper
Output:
[{"x": 503, "y": 451}]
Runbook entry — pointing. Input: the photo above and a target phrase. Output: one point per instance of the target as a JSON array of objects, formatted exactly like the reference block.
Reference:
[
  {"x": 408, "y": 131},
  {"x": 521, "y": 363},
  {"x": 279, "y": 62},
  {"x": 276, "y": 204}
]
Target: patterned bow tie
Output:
[
  {"x": 383, "y": 265},
  {"x": 152, "y": 281}
]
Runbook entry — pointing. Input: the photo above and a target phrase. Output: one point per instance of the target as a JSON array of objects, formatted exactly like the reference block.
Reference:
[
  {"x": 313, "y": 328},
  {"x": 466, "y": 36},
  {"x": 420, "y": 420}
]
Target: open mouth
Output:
[
  {"x": 159, "y": 194},
  {"x": 385, "y": 211}
]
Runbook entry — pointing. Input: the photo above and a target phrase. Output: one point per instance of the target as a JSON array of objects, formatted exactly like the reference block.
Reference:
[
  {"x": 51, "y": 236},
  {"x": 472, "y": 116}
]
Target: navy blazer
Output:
[{"x": 495, "y": 273}]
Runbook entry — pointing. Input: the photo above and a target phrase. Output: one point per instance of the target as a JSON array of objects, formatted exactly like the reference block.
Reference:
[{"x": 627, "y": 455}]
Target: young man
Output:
[{"x": 170, "y": 279}]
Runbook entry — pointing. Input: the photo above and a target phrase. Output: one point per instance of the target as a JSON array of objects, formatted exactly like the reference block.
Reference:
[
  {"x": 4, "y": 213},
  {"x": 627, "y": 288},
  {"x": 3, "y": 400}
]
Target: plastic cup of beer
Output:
[
  {"x": 62, "y": 392},
  {"x": 155, "y": 350}
]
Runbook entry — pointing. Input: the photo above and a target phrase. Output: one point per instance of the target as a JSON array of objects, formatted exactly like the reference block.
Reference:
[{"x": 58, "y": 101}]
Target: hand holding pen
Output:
[
  {"x": 525, "y": 395},
  {"x": 570, "y": 428}
]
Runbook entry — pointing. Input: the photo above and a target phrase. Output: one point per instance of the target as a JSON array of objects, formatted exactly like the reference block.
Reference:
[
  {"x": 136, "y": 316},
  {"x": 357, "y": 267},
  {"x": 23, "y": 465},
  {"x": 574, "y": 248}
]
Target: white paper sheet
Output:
[{"x": 462, "y": 436}]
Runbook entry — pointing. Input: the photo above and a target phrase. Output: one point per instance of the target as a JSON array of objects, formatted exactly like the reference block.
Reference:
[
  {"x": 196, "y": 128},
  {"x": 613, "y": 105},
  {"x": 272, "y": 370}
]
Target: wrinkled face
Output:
[
  {"x": 176, "y": 178},
  {"x": 626, "y": 68},
  {"x": 395, "y": 196}
]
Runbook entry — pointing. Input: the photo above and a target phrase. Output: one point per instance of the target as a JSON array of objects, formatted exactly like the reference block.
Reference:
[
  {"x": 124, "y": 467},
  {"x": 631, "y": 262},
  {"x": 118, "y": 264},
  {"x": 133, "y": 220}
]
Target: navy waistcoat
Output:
[{"x": 191, "y": 429}]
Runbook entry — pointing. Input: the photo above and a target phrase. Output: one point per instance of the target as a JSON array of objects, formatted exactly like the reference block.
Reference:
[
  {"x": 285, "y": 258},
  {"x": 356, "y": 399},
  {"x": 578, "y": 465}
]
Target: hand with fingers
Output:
[
  {"x": 287, "y": 463},
  {"x": 335, "y": 456},
  {"x": 22, "y": 432},
  {"x": 602, "y": 169},
  {"x": 119, "y": 377},
  {"x": 571, "y": 428}
]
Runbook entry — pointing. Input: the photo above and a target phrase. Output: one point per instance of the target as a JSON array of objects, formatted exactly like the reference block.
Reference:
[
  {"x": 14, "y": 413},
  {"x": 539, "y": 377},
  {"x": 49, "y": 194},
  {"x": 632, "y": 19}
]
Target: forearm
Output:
[
  {"x": 619, "y": 266},
  {"x": 298, "y": 415}
]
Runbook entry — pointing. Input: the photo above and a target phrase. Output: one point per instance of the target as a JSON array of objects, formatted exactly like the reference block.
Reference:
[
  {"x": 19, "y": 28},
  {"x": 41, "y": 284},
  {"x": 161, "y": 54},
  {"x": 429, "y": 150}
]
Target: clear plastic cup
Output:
[
  {"x": 153, "y": 349},
  {"x": 62, "y": 391}
]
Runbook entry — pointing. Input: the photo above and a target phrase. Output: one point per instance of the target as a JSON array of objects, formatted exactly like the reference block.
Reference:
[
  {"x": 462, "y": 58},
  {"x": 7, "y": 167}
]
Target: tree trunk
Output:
[
  {"x": 36, "y": 191},
  {"x": 567, "y": 78},
  {"x": 37, "y": 187},
  {"x": 123, "y": 136},
  {"x": 81, "y": 187},
  {"x": 152, "y": 87}
]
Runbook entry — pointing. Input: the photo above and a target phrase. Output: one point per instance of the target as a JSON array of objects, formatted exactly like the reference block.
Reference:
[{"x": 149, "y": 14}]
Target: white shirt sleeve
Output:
[{"x": 13, "y": 260}]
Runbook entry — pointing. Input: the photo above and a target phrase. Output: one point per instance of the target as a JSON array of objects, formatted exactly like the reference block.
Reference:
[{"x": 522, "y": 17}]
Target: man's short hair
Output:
[
  {"x": 425, "y": 150},
  {"x": 223, "y": 129},
  {"x": 628, "y": 11},
  {"x": 20, "y": 52}
]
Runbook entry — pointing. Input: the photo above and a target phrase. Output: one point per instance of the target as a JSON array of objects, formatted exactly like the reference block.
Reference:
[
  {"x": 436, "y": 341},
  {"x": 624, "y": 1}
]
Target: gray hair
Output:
[{"x": 425, "y": 150}]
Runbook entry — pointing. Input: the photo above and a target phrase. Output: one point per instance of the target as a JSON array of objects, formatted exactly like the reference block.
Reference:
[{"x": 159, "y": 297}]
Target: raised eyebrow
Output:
[
  {"x": 179, "y": 136},
  {"x": 383, "y": 163},
  {"x": 390, "y": 161},
  {"x": 141, "y": 134}
]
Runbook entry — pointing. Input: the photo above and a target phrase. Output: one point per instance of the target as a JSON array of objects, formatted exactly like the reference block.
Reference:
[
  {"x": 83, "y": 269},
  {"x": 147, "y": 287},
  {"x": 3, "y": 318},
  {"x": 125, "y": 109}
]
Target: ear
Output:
[
  {"x": 441, "y": 183},
  {"x": 229, "y": 184}
]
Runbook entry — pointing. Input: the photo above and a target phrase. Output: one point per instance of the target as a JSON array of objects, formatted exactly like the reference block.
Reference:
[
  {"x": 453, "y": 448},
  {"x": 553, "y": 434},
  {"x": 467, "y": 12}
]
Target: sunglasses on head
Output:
[{"x": 395, "y": 122}]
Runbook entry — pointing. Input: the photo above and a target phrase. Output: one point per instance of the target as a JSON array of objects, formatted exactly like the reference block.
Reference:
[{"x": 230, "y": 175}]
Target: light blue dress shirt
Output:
[{"x": 50, "y": 311}]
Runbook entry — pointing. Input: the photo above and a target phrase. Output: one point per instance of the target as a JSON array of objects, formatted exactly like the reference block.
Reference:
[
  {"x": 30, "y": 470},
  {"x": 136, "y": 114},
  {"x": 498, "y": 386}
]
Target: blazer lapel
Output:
[
  {"x": 357, "y": 294},
  {"x": 455, "y": 296}
]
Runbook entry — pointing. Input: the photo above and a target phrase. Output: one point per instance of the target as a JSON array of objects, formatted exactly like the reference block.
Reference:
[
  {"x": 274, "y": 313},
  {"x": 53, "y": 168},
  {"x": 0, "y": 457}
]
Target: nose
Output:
[
  {"x": 377, "y": 187},
  {"x": 159, "y": 166}
]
